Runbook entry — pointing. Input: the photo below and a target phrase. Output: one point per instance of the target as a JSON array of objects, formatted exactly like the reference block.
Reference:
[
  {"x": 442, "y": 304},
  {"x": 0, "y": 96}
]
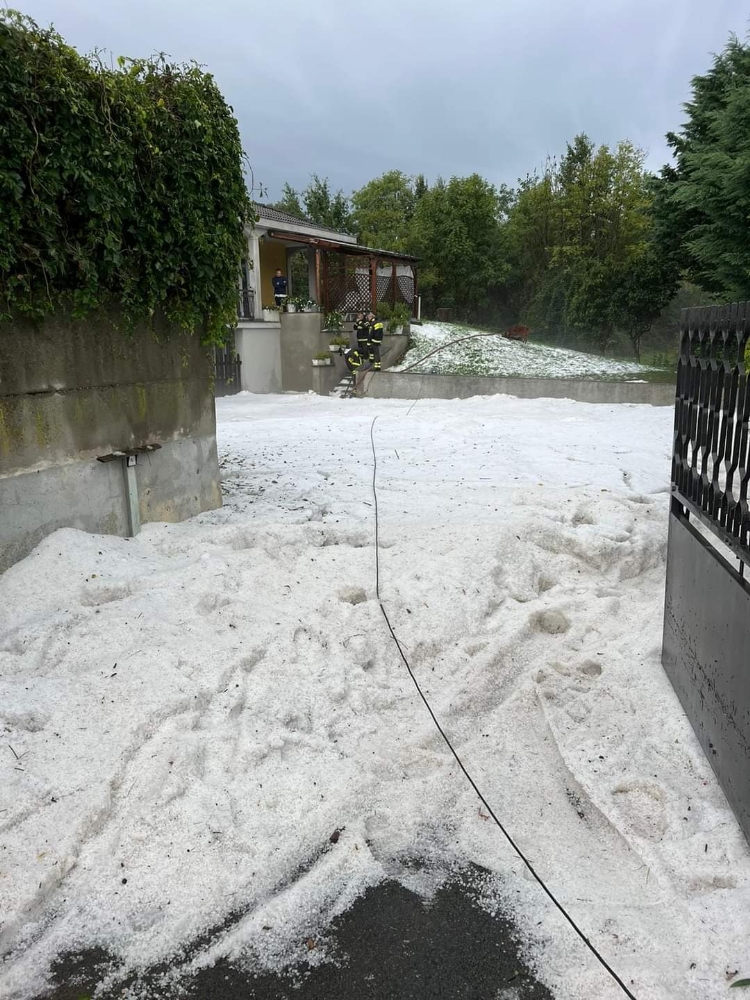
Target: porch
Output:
[{"x": 328, "y": 268}]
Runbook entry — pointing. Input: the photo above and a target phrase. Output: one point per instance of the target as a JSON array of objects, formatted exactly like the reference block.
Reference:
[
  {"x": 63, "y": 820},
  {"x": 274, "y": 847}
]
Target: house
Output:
[{"x": 338, "y": 274}]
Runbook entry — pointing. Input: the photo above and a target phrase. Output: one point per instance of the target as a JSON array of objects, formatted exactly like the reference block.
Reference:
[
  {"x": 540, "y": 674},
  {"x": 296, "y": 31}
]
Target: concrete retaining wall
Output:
[
  {"x": 71, "y": 391},
  {"x": 301, "y": 339},
  {"x": 259, "y": 347},
  {"x": 398, "y": 385},
  {"x": 394, "y": 348},
  {"x": 325, "y": 380}
]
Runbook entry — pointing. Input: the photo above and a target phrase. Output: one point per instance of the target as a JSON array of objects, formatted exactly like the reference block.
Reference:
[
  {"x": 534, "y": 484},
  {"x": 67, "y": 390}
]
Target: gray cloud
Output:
[{"x": 348, "y": 89}]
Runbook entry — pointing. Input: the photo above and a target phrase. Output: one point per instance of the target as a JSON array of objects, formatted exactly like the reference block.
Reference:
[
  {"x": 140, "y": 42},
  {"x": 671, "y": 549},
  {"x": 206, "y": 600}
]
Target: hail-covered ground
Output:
[
  {"x": 493, "y": 355},
  {"x": 190, "y": 717}
]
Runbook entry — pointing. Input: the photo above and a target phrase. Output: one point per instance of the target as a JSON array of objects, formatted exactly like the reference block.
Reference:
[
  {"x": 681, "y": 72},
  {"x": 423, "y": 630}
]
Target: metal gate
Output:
[
  {"x": 706, "y": 651},
  {"x": 227, "y": 374}
]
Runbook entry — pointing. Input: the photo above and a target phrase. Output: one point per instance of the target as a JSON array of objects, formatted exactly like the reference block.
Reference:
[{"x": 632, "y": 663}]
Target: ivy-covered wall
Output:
[
  {"x": 122, "y": 207},
  {"x": 119, "y": 185}
]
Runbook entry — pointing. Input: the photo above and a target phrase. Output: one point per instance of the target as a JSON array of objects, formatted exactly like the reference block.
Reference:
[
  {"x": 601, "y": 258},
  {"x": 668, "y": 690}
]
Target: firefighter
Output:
[
  {"x": 353, "y": 360},
  {"x": 377, "y": 329},
  {"x": 362, "y": 333}
]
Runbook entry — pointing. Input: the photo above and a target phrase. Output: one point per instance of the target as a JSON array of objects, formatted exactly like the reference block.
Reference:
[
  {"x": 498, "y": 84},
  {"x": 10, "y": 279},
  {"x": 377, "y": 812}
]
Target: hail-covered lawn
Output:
[
  {"x": 210, "y": 747},
  {"x": 493, "y": 355}
]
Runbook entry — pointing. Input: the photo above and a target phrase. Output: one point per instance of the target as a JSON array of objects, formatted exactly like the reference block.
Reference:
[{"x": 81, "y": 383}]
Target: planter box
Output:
[
  {"x": 290, "y": 308},
  {"x": 321, "y": 362},
  {"x": 270, "y": 316}
]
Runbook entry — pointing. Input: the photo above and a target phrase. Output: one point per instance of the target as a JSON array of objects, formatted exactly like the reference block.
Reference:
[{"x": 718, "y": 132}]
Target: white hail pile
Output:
[{"x": 193, "y": 713}]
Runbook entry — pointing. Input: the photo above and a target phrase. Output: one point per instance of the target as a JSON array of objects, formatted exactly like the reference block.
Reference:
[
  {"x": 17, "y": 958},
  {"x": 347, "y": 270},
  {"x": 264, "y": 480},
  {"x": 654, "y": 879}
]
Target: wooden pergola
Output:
[{"x": 350, "y": 278}]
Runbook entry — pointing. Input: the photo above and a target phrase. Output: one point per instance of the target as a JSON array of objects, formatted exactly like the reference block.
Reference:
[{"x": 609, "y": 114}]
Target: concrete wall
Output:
[
  {"x": 325, "y": 380},
  {"x": 259, "y": 347},
  {"x": 71, "y": 391},
  {"x": 394, "y": 348},
  {"x": 397, "y": 385},
  {"x": 301, "y": 339}
]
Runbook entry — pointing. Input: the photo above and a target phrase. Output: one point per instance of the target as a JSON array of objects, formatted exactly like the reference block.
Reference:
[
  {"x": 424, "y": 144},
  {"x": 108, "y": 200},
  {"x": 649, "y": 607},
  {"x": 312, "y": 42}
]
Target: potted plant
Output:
[
  {"x": 311, "y": 306},
  {"x": 271, "y": 314},
  {"x": 399, "y": 318},
  {"x": 334, "y": 322},
  {"x": 321, "y": 360},
  {"x": 336, "y": 343},
  {"x": 298, "y": 303}
]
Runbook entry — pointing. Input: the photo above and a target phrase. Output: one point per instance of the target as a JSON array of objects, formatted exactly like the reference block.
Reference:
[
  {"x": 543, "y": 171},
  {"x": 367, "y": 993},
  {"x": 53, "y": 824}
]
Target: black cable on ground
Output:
[{"x": 599, "y": 957}]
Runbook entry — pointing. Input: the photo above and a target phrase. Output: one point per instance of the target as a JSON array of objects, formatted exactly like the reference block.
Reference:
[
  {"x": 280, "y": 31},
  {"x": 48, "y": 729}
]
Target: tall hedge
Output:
[{"x": 117, "y": 183}]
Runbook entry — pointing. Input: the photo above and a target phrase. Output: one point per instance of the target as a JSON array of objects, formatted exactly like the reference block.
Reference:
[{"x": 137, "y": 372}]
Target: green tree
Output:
[
  {"x": 580, "y": 247},
  {"x": 383, "y": 209},
  {"x": 703, "y": 201},
  {"x": 456, "y": 230},
  {"x": 290, "y": 201},
  {"x": 324, "y": 207},
  {"x": 529, "y": 239},
  {"x": 642, "y": 293},
  {"x": 317, "y": 203},
  {"x": 604, "y": 201}
]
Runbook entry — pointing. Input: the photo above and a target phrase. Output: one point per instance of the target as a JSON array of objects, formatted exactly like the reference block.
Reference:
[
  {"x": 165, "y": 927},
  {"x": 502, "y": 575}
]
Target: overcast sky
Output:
[{"x": 350, "y": 88}]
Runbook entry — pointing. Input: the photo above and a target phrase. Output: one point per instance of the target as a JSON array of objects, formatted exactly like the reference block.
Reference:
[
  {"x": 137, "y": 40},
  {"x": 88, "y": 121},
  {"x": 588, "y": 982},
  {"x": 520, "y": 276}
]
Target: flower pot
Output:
[
  {"x": 335, "y": 348},
  {"x": 290, "y": 308},
  {"x": 270, "y": 316},
  {"x": 321, "y": 362},
  {"x": 396, "y": 331}
]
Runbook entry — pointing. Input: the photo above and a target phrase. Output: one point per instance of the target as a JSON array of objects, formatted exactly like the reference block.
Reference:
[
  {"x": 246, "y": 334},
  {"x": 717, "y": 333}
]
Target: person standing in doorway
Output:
[{"x": 279, "y": 287}]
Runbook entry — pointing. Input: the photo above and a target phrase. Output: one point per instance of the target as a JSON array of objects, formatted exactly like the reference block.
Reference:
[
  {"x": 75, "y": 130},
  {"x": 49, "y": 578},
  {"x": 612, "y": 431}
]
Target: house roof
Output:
[
  {"x": 305, "y": 231},
  {"x": 351, "y": 249},
  {"x": 275, "y": 215}
]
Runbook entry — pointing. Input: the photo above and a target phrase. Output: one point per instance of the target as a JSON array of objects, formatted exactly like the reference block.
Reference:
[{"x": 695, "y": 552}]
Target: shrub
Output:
[{"x": 121, "y": 185}]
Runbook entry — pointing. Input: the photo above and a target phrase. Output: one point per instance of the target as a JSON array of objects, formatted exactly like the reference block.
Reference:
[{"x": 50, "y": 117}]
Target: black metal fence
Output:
[
  {"x": 707, "y": 608},
  {"x": 227, "y": 371},
  {"x": 711, "y": 463}
]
